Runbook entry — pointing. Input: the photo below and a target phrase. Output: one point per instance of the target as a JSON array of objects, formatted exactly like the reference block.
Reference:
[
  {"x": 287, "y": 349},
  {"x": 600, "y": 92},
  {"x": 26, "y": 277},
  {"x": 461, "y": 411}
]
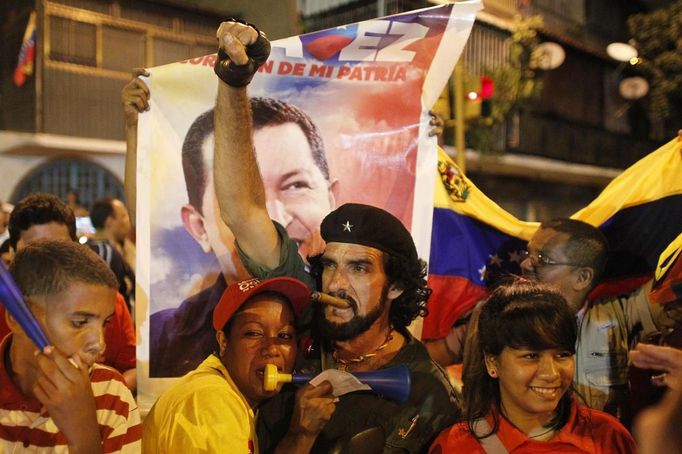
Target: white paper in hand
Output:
[{"x": 342, "y": 382}]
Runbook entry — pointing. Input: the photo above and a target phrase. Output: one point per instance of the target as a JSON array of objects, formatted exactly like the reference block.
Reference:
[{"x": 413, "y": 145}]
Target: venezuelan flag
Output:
[
  {"x": 640, "y": 212},
  {"x": 27, "y": 53},
  {"x": 473, "y": 242}
]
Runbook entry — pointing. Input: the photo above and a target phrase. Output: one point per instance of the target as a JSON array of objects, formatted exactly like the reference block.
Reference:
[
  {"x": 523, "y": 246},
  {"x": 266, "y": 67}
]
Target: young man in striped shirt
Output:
[{"x": 60, "y": 400}]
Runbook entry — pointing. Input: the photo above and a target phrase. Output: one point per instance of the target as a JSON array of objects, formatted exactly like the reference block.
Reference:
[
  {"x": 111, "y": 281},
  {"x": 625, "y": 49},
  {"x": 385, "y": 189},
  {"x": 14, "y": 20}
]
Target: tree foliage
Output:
[
  {"x": 658, "y": 38},
  {"x": 515, "y": 84}
]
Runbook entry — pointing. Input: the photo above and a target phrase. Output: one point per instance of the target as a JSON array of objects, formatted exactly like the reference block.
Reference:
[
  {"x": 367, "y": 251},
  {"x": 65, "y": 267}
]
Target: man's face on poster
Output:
[{"x": 298, "y": 196}]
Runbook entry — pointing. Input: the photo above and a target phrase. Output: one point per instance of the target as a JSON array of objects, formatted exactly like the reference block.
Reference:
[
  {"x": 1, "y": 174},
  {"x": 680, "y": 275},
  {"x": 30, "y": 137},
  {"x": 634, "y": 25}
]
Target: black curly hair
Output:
[{"x": 36, "y": 209}]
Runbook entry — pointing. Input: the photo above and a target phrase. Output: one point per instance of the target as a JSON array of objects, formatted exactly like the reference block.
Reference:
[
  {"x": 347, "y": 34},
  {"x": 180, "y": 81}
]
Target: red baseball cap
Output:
[{"x": 239, "y": 293}]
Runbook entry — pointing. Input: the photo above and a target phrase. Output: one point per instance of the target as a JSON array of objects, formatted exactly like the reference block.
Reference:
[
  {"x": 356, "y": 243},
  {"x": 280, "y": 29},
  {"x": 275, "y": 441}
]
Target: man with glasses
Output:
[{"x": 571, "y": 255}]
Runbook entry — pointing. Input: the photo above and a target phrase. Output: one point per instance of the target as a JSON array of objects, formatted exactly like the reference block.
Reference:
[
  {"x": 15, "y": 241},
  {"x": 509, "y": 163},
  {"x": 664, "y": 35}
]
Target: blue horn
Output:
[
  {"x": 11, "y": 298},
  {"x": 393, "y": 383}
]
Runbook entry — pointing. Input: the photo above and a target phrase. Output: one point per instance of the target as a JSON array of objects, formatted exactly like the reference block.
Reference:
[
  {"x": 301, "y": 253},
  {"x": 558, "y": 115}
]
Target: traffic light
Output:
[
  {"x": 487, "y": 92},
  {"x": 487, "y": 87},
  {"x": 477, "y": 103}
]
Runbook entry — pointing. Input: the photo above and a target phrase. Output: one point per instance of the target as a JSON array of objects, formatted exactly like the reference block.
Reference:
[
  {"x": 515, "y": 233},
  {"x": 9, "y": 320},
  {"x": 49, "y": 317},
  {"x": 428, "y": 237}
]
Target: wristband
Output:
[{"x": 241, "y": 75}]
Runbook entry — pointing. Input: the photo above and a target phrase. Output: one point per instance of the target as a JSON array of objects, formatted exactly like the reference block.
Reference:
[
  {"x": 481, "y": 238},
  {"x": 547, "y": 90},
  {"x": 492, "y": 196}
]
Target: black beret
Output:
[{"x": 369, "y": 226}]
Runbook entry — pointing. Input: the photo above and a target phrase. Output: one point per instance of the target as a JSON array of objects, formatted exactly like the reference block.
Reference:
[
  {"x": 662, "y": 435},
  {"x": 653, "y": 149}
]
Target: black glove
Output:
[{"x": 241, "y": 75}]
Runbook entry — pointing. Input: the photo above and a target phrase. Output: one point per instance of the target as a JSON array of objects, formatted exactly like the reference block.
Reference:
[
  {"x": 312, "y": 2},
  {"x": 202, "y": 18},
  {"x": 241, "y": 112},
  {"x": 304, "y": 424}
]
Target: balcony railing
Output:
[{"x": 556, "y": 138}]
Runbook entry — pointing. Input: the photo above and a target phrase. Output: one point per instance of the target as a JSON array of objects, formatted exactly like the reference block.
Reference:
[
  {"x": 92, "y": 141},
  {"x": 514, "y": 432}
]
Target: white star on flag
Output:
[{"x": 481, "y": 273}]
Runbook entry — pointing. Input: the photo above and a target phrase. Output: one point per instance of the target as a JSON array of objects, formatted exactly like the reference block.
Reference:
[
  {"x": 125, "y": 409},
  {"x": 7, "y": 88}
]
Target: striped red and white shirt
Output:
[{"x": 25, "y": 424}]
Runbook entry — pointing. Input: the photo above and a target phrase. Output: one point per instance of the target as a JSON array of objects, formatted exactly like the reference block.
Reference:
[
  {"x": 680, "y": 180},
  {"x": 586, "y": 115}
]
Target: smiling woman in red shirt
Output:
[{"x": 518, "y": 371}]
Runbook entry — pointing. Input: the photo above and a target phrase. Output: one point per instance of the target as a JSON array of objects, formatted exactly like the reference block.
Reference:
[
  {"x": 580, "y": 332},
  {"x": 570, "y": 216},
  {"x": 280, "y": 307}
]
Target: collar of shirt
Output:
[
  {"x": 581, "y": 314},
  {"x": 11, "y": 396},
  {"x": 570, "y": 433},
  {"x": 214, "y": 362}
]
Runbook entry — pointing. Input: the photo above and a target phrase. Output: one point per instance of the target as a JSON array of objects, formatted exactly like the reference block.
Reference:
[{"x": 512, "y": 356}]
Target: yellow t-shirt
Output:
[{"x": 203, "y": 412}]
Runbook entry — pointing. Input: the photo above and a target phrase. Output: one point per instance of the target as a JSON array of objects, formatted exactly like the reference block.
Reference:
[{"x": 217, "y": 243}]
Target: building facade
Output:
[{"x": 63, "y": 128}]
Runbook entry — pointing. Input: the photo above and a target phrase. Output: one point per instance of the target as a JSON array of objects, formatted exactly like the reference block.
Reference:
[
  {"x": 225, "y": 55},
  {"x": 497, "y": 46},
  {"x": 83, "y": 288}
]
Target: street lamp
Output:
[
  {"x": 622, "y": 52},
  {"x": 552, "y": 55}
]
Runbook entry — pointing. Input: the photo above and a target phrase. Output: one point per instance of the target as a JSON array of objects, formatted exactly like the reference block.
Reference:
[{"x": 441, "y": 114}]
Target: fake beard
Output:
[{"x": 330, "y": 331}]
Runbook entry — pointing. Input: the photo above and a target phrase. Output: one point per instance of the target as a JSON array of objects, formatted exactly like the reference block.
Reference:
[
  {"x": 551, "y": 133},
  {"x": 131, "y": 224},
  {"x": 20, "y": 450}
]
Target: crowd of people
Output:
[{"x": 545, "y": 369}]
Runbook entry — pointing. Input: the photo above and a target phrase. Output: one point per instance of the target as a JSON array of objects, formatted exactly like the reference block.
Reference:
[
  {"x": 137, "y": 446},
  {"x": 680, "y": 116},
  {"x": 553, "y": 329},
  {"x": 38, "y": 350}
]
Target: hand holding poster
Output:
[{"x": 339, "y": 116}]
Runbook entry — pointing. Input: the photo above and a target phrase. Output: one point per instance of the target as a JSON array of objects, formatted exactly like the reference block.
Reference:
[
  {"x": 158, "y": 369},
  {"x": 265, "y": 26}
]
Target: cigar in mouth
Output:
[{"x": 330, "y": 300}]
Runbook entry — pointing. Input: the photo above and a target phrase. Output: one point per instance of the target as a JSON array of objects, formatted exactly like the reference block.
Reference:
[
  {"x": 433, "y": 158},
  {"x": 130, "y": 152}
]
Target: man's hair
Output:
[
  {"x": 37, "y": 209},
  {"x": 50, "y": 267},
  {"x": 101, "y": 210},
  {"x": 408, "y": 275},
  {"x": 522, "y": 314},
  {"x": 265, "y": 112},
  {"x": 193, "y": 162},
  {"x": 586, "y": 244},
  {"x": 273, "y": 112}
]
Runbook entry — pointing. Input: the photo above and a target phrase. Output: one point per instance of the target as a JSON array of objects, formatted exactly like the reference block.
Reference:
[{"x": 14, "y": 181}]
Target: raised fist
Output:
[{"x": 242, "y": 49}]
